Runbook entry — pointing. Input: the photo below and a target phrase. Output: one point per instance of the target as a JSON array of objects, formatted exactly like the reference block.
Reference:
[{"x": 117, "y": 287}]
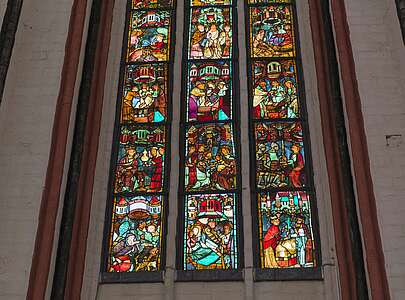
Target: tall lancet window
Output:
[
  {"x": 209, "y": 220},
  {"x": 139, "y": 177},
  {"x": 287, "y": 243}
]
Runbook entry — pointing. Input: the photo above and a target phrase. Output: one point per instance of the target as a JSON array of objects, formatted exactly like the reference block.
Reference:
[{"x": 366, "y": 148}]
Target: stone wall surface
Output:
[
  {"x": 26, "y": 119},
  {"x": 380, "y": 65}
]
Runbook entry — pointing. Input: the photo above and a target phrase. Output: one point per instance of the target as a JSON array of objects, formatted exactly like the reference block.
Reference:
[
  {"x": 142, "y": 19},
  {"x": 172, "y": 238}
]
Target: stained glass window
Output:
[
  {"x": 283, "y": 186},
  {"x": 210, "y": 188},
  {"x": 139, "y": 193}
]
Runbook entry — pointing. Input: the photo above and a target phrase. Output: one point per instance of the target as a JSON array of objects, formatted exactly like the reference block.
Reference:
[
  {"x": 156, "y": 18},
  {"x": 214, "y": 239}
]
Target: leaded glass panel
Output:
[
  {"x": 139, "y": 176},
  {"x": 283, "y": 189},
  {"x": 209, "y": 186}
]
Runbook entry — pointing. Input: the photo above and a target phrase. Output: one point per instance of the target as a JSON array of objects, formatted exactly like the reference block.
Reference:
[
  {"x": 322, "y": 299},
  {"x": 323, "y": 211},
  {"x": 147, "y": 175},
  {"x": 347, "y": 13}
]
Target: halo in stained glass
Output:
[
  {"x": 210, "y": 2},
  {"x": 275, "y": 89},
  {"x": 280, "y": 161},
  {"x": 145, "y": 93},
  {"x": 271, "y": 31},
  {"x": 210, "y": 238},
  {"x": 136, "y": 234},
  {"x": 210, "y": 158},
  {"x": 141, "y": 159},
  {"x": 285, "y": 230},
  {"x": 141, "y": 4},
  {"x": 149, "y": 36},
  {"x": 209, "y": 91},
  {"x": 210, "y": 35}
]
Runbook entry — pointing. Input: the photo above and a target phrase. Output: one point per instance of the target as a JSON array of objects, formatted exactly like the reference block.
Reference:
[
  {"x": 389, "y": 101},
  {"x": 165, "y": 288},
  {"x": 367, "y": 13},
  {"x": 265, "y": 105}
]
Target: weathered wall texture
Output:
[
  {"x": 26, "y": 118},
  {"x": 380, "y": 64}
]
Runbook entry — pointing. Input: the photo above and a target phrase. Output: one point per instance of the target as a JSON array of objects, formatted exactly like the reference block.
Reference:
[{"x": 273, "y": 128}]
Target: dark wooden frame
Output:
[
  {"x": 144, "y": 276},
  {"x": 260, "y": 273},
  {"x": 210, "y": 275}
]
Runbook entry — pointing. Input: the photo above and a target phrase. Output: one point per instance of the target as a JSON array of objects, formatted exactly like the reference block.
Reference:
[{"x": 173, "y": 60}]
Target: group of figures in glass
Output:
[
  {"x": 282, "y": 185},
  {"x": 210, "y": 191},
  {"x": 210, "y": 161},
  {"x": 140, "y": 170}
]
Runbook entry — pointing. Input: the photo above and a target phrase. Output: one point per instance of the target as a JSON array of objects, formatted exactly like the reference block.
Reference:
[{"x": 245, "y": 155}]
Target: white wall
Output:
[
  {"x": 26, "y": 119},
  {"x": 380, "y": 64}
]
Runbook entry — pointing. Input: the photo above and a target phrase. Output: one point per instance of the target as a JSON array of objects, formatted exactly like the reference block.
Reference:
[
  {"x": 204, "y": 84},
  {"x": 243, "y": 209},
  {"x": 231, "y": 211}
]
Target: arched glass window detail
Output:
[
  {"x": 210, "y": 180},
  {"x": 287, "y": 243},
  {"x": 139, "y": 178}
]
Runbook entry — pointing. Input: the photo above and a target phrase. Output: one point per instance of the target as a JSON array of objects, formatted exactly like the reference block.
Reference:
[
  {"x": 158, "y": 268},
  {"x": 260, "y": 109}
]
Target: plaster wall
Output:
[
  {"x": 170, "y": 289},
  {"x": 379, "y": 55},
  {"x": 26, "y": 119}
]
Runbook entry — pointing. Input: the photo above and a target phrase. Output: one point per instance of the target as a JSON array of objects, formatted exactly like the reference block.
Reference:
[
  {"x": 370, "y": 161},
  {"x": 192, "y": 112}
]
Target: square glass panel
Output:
[
  {"x": 285, "y": 230},
  {"x": 136, "y": 234},
  {"x": 280, "y": 158},
  {"x": 210, "y": 158},
  {"x": 210, "y": 34},
  {"x": 210, "y": 236},
  {"x": 145, "y": 93},
  {"x": 149, "y": 36},
  {"x": 210, "y": 2},
  {"x": 209, "y": 91},
  {"x": 140, "y": 4},
  {"x": 141, "y": 159},
  {"x": 271, "y": 31},
  {"x": 275, "y": 90}
]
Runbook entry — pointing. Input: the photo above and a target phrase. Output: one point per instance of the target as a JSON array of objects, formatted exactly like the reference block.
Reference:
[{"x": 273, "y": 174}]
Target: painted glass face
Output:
[
  {"x": 210, "y": 158},
  {"x": 209, "y": 91},
  {"x": 275, "y": 90},
  {"x": 280, "y": 159},
  {"x": 210, "y": 2},
  {"x": 286, "y": 238},
  {"x": 145, "y": 93},
  {"x": 271, "y": 31},
  {"x": 210, "y": 232},
  {"x": 210, "y": 35},
  {"x": 140, "y": 4},
  {"x": 136, "y": 234},
  {"x": 149, "y": 36},
  {"x": 141, "y": 156}
]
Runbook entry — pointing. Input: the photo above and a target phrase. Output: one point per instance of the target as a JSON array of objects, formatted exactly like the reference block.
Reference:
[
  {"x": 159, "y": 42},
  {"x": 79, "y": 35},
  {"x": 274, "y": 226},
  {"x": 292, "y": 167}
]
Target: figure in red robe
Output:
[{"x": 270, "y": 243}]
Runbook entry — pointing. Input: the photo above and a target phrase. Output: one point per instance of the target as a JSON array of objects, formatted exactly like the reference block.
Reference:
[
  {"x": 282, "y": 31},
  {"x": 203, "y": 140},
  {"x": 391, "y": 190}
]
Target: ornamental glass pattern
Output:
[
  {"x": 139, "y": 193},
  {"x": 209, "y": 185},
  {"x": 283, "y": 185}
]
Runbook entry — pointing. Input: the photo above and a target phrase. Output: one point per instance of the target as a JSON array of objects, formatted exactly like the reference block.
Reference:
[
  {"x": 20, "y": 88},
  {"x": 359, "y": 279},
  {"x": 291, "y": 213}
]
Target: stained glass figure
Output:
[
  {"x": 271, "y": 32},
  {"x": 210, "y": 232},
  {"x": 149, "y": 36},
  {"x": 210, "y": 158},
  {"x": 286, "y": 237},
  {"x": 141, "y": 156},
  {"x": 141, "y": 4},
  {"x": 136, "y": 234},
  {"x": 210, "y": 35},
  {"x": 145, "y": 93},
  {"x": 280, "y": 159},
  {"x": 210, "y": 2},
  {"x": 209, "y": 91},
  {"x": 275, "y": 89}
]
